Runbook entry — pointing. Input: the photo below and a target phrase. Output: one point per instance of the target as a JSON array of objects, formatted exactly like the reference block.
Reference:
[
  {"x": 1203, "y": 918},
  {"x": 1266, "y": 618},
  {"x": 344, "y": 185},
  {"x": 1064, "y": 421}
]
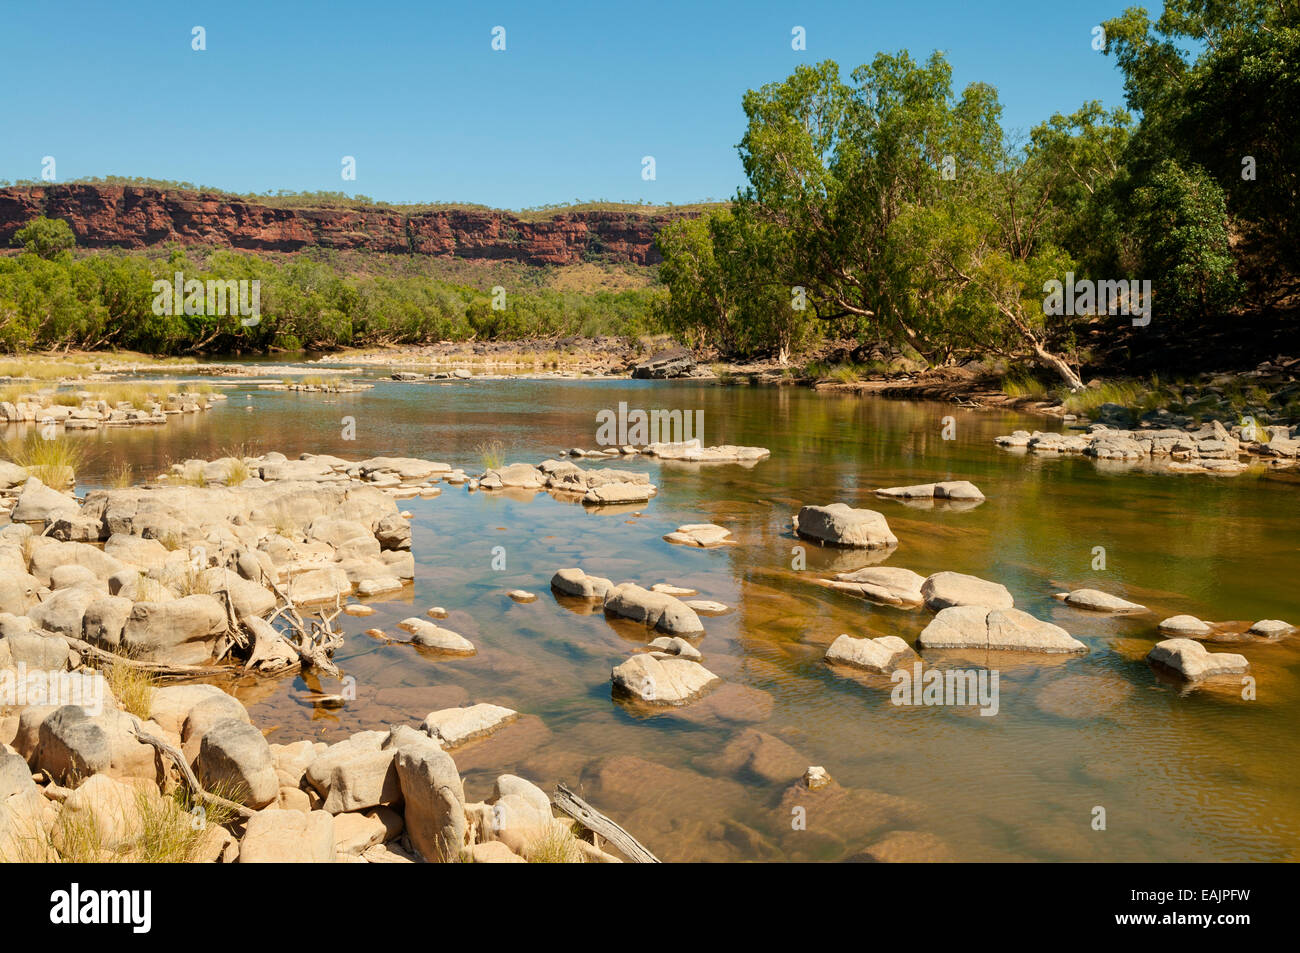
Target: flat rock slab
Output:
[
  {"x": 618, "y": 493},
  {"x": 1008, "y": 630},
  {"x": 1097, "y": 601},
  {"x": 455, "y": 726},
  {"x": 943, "y": 590},
  {"x": 880, "y": 655},
  {"x": 692, "y": 451},
  {"x": 706, "y": 606},
  {"x": 842, "y": 525},
  {"x": 288, "y": 837},
  {"x": 883, "y": 584},
  {"x": 699, "y": 534},
  {"x": 948, "y": 490},
  {"x": 661, "y": 681},
  {"x": 1194, "y": 662}
]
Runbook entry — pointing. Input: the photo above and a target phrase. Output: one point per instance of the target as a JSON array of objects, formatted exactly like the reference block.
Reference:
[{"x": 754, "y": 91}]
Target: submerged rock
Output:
[
  {"x": 763, "y": 756},
  {"x": 908, "y": 847}
]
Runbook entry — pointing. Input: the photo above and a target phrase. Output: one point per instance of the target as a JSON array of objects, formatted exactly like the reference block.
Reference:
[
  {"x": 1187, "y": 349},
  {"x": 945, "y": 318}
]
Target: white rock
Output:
[
  {"x": 436, "y": 637},
  {"x": 1191, "y": 660},
  {"x": 1099, "y": 601},
  {"x": 881, "y": 655},
  {"x": 843, "y": 525},
  {"x": 451, "y": 727},
  {"x": 661, "y": 681},
  {"x": 978, "y": 627},
  {"x": 946, "y": 589}
]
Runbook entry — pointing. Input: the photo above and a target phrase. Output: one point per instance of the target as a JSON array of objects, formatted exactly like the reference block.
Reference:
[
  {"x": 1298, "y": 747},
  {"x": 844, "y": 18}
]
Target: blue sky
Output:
[{"x": 414, "y": 91}]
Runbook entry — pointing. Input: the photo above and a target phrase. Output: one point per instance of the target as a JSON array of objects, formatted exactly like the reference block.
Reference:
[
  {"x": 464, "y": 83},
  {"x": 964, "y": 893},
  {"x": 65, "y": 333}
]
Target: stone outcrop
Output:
[
  {"x": 1009, "y": 630},
  {"x": 106, "y": 216},
  {"x": 1194, "y": 662},
  {"x": 842, "y": 525}
]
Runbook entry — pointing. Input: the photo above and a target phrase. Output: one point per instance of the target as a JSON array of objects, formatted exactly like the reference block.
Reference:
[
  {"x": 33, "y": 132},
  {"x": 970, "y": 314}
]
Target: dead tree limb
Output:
[
  {"x": 590, "y": 818},
  {"x": 163, "y": 669},
  {"x": 187, "y": 773}
]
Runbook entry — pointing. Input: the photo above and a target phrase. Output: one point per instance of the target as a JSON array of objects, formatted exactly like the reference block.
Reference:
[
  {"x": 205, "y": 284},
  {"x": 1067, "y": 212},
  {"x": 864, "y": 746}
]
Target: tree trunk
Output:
[{"x": 1057, "y": 364}]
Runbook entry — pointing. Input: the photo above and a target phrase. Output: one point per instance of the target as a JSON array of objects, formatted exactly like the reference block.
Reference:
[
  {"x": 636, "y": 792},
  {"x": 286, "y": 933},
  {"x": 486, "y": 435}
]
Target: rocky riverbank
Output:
[{"x": 129, "y": 586}]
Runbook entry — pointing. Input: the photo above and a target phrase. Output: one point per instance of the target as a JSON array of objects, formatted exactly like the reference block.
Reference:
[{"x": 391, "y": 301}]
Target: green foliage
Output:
[
  {"x": 107, "y": 300},
  {"x": 898, "y": 207},
  {"x": 46, "y": 237},
  {"x": 1218, "y": 86},
  {"x": 1182, "y": 236}
]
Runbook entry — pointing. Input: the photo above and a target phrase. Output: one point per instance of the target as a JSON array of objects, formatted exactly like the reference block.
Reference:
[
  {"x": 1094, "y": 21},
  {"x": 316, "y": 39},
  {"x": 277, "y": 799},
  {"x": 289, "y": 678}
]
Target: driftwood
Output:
[
  {"x": 596, "y": 822},
  {"x": 162, "y": 669},
  {"x": 187, "y": 773},
  {"x": 315, "y": 640}
]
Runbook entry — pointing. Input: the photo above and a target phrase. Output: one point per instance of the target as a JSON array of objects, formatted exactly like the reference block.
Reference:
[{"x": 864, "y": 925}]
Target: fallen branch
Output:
[
  {"x": 163, "y": 669},
  {"x": 590, "y": 818},
  {"x": 187, "y": 773}
]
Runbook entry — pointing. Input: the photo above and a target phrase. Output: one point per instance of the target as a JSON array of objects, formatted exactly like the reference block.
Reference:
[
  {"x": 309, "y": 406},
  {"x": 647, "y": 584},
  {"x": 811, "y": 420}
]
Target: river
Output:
[{"x": 1181, "y": 775}]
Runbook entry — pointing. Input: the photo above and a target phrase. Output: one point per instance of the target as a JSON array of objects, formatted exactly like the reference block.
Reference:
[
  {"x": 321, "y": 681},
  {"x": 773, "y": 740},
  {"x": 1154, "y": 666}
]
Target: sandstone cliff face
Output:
[{"x": 136, "y": 217}]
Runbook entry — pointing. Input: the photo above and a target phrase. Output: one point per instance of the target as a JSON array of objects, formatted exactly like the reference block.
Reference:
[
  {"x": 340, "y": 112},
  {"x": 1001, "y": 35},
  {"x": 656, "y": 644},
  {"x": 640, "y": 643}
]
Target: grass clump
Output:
[
  {"x": 52, "y": 460},
  {"x": 132, "y": 687},
  {"x": 1024, "y": 385},
  {"x": 121, "y": 476},
  {"x": 492, "y": 454},
  {"x": 556, "y": 846},
  {"x": 147, "y": 828},
  {"x": 237, "y": 471}
]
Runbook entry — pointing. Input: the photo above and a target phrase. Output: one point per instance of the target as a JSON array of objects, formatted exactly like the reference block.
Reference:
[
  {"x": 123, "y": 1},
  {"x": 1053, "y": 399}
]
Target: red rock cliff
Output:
[{"x": 104, "y": 216}]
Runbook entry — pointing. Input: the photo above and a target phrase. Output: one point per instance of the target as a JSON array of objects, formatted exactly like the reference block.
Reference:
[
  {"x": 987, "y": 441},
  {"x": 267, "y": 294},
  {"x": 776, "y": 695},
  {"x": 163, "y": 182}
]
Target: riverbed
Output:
[{"x": 1198, "y": 775}]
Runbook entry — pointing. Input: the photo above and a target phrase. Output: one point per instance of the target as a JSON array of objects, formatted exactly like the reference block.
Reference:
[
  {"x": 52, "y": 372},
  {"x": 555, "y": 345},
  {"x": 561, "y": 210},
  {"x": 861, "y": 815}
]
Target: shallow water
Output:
[{"x": 1199, "y": 775}]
